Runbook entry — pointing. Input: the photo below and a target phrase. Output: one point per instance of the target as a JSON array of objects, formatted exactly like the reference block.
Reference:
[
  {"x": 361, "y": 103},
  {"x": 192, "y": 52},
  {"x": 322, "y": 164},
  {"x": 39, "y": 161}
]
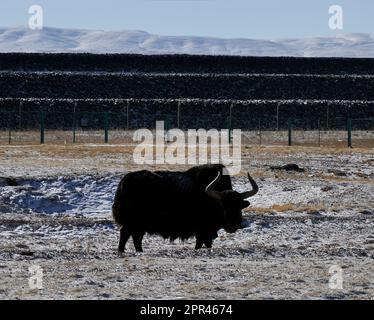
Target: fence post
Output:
[
  {"x": 319, "y": 132},
  {"x": 42, "y": 126},
  {"x": 259, "y": 130},
  {"x": 179, "y": 115},
  {"x": 230, "y": 123},
  {"x": 277, "y": 116},
  {"x": 106, "y": 129},
  {"x": 20, "y": 115},
  {"x": 9, "y": 128},
  {"x": 290, "y": 132},
  {"x": 74, "y": 127},
  {"x": 349, "y": 131},
  {"x": 127, "y": 116}
]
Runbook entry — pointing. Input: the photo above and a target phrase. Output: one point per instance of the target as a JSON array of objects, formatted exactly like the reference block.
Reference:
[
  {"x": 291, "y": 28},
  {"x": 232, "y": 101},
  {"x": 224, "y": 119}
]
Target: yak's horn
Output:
[
  {"x": 209, "y": 189},
  {"x": 248, "y": 194}
]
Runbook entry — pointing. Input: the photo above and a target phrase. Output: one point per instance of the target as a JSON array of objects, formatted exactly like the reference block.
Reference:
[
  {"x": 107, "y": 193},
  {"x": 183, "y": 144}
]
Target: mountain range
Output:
[{"x": 22, "y": 39}]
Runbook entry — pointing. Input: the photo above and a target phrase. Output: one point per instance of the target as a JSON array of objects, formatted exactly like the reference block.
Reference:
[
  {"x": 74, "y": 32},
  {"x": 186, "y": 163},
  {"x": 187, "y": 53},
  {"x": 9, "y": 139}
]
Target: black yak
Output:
[{"x": 197, "y": 202}]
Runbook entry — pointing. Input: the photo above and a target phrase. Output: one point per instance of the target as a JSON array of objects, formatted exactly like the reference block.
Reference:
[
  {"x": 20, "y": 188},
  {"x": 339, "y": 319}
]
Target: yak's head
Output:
[{"x": 232, "y": 202}]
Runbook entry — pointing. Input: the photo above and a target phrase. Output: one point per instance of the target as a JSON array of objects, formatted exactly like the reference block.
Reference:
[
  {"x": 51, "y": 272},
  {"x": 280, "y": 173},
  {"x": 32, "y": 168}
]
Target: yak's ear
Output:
[{"x": 245, "y": 204}]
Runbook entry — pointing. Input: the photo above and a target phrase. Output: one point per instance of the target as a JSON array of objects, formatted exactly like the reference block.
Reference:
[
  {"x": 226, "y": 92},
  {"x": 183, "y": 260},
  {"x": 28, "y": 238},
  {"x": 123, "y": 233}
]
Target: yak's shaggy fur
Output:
[{"x": 175, "y": 205}]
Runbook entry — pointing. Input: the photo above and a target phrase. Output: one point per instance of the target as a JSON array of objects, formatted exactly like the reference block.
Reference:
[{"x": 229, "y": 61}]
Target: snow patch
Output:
[{"x": 85, "y": 195}]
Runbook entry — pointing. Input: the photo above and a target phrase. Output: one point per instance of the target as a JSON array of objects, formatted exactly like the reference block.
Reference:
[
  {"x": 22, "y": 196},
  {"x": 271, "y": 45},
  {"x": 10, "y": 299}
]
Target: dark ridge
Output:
[
  {"x": 322, "y": 91},
  {"x": 248, "y": 87},
  {"x": 183, "y": 63}
]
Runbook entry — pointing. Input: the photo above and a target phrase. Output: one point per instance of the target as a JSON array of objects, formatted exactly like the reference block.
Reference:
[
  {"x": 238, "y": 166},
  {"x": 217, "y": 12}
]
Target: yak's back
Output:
[
  {"x": 142, "y": 191},
  {"x": 165, "y": 194}
]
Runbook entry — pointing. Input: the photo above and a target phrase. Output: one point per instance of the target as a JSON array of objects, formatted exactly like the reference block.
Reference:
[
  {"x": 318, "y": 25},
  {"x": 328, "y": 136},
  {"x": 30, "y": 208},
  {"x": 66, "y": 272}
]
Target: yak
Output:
[{"x": 194, "y": 203}]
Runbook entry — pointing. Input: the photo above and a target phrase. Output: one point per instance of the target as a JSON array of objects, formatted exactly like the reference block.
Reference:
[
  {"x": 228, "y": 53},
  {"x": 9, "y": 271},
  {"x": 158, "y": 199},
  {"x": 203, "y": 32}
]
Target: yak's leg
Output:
[
  {"x": 199, "y": 243},
  {"x": 123, "y": 237},
  {"x": 138, "y": 237},
  {"x": 208, "y": 243},
  {"x": 209, "y": 240}
]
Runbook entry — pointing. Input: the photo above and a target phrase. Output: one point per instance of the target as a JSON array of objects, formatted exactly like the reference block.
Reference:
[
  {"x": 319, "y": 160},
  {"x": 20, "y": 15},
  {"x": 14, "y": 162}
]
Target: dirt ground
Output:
[
  {"x": 304, "y": 230},
  {"x": 313, "y": 138}
]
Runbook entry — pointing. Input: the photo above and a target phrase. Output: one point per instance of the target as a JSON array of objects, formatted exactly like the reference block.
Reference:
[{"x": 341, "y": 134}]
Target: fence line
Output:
[{"x": 107, "y": 122}]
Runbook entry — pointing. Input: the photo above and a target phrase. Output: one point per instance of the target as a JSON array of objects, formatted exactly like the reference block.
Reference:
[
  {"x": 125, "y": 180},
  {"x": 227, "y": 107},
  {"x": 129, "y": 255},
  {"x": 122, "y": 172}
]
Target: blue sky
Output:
[{"x": 220, "y": 18}]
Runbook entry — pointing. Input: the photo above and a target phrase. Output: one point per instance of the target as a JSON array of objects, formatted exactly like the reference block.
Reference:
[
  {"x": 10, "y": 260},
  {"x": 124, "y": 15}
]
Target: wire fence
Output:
[{"x": 119, "y": 127}]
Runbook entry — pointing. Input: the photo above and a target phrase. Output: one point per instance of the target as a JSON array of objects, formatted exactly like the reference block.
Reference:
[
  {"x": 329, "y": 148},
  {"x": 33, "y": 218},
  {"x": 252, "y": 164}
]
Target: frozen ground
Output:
[{"x": 55, "y": 214}]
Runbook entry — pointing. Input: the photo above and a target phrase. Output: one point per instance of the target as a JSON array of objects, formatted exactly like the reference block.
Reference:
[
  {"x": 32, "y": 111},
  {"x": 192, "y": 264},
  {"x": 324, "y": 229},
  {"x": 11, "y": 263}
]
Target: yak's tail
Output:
[{"x": 116, "y": 207}]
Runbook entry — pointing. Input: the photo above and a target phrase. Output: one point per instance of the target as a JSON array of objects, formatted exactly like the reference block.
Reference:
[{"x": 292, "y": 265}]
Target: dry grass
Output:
[
  {"x": 309, "y": 150},
  {"x": 291, "y": 207},
  {"x": 329, "y": 139},
  {"x": 122, "y": 156},
  {"x": 77, "y": 150}
]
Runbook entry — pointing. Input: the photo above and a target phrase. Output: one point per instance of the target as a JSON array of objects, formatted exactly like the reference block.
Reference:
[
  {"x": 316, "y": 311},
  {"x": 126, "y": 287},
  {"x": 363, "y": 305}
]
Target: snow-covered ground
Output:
[
  {"x": 21, "y": 39},
  {"x": 85, "y": 195},
  {"x": 56, "y": 214}
]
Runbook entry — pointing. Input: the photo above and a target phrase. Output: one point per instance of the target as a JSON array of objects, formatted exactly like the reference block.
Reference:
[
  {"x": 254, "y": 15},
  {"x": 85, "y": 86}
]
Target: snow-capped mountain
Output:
[{"x": 21, "y": 39}]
